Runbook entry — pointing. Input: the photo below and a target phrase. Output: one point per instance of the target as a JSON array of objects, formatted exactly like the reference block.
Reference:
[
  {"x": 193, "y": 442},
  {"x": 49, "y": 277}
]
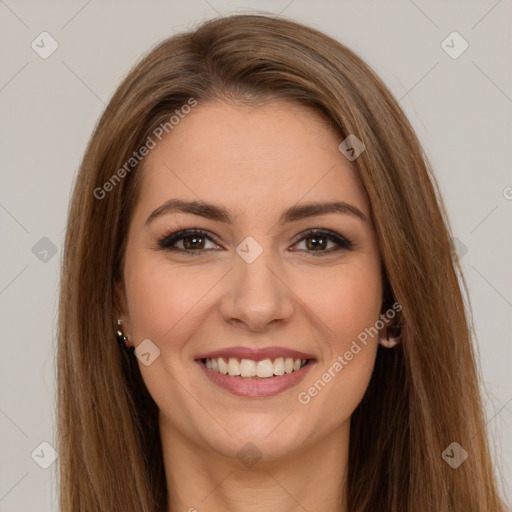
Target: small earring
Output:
[
  {"x": 389, "y": 342},
  {"x": 121, "y": 338}
]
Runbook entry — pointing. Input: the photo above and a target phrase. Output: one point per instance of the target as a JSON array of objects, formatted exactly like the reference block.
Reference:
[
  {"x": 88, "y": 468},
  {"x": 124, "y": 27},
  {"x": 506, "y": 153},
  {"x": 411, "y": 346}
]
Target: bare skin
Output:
[{"x": 308, "y": 294}]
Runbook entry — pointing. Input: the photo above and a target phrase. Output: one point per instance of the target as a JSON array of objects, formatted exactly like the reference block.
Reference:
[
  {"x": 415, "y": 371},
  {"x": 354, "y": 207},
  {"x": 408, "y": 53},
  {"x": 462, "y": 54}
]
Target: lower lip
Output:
[{"x": 257, "y": 388}]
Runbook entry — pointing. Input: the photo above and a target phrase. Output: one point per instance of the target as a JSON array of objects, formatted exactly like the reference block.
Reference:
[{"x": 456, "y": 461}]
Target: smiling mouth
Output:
[{"x": 251, "y": 369}]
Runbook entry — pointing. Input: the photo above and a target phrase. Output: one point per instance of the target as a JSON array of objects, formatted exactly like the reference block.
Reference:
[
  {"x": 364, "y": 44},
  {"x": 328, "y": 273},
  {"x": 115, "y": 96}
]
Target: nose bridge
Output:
[{"x": 257, "y": 295}]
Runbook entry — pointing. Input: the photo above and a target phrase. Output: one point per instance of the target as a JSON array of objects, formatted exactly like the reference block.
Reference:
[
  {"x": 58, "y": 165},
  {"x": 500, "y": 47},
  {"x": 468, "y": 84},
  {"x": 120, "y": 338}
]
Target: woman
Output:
[{"x": 255, "y": 223}]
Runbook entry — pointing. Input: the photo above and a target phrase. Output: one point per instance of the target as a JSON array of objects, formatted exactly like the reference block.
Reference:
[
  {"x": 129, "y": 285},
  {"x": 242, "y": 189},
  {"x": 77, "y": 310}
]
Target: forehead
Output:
[{"x": 271, "y": 155}]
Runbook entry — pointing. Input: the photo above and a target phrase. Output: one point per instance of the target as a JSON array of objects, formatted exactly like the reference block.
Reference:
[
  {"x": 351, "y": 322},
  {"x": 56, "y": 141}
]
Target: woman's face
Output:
[{"x": 252, "y": 288}]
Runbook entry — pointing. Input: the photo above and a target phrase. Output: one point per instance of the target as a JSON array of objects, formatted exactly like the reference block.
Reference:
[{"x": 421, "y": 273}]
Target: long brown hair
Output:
[{"x": 423, "y": 394}]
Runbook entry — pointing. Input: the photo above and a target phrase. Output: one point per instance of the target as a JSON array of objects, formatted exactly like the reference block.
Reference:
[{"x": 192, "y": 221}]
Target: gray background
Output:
[{"x": 459, "y": 107}]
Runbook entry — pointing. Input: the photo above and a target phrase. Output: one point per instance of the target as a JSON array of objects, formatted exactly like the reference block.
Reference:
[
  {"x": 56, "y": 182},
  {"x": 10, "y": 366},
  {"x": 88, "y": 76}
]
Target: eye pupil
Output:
[
  {"x": 315, "y": 243},
  {"x": 187, "y": 241}
]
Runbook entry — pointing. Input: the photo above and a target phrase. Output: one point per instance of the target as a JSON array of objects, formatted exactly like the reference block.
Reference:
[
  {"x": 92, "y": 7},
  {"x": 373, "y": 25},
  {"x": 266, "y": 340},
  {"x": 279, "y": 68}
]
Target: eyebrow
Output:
[{"x": 221, "y": 214}]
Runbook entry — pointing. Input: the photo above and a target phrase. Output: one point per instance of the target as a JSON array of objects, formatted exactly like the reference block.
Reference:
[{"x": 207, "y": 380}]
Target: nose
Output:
[{"x": 257, "y": 295}]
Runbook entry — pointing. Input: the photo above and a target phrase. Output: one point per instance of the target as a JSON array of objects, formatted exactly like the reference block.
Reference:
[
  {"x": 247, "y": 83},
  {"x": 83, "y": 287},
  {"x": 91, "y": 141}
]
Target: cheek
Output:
[
  {"x": 161, "y": 298},
  {"x": 349, "y": 347},
  {"x": 346, "y": 301}
]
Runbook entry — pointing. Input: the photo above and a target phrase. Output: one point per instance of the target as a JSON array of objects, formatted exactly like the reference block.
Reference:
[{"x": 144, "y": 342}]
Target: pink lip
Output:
[
  {"x": 256, "y": 354},
  {"x": 255, "y": 387}
]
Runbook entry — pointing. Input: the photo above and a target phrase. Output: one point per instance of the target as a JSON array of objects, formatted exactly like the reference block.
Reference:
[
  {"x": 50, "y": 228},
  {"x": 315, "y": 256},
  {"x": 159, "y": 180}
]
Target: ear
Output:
[{"x": 121, "y": 309}]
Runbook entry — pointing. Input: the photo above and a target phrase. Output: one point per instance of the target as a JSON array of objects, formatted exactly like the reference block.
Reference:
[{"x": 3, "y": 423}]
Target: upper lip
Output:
[{"x": 257, "y": 354}]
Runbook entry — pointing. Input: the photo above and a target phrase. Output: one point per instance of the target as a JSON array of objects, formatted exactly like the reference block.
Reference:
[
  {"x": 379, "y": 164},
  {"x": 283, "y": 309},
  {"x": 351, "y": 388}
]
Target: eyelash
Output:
[{"x": 167, "y": 241}]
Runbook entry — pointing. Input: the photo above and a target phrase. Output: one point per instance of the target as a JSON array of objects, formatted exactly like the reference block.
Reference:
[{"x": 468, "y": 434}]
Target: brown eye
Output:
[
  {"x": 187, "y": 241},
  {"x": 317, "y": 241},
  {"x": 193, "y": 242}
]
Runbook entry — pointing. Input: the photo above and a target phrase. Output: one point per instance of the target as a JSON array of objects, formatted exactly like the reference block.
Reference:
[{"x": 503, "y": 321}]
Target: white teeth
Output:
[
  {"x": 264, "y": 368},
  {"x": 223, "y": 367},
  {"x": 249, "y": 368},
  {"x": 233, "y": 366},
  {"x": 279, "y": 366}
]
